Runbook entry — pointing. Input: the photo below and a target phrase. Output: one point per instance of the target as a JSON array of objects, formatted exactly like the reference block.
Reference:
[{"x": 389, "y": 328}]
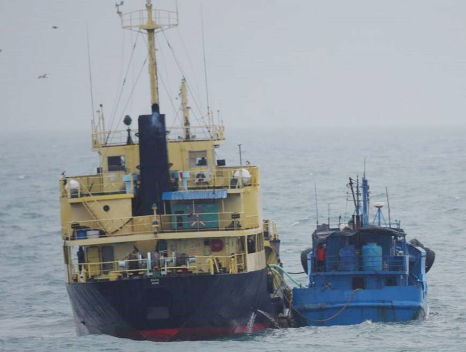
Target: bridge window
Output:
[
  {"x": 359, "y": 283},
  {"x": 260, "y": 242},
  {"x": 251, "y": 243},
  {"x": 197, "y": 158},
  {"x": 116, "y": 163}
]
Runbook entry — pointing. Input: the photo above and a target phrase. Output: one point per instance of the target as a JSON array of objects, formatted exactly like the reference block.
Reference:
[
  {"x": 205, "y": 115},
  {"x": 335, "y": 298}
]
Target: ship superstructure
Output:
[
  {"x": 363, "y": 271},
  {"x": 165, "y": 241}
]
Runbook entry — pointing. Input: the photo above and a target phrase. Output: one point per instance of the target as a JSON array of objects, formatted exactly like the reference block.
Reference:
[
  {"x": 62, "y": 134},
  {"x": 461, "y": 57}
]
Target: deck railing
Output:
[
  {"x": 150, "y": 267},
  {"x": 89, "y": 229},
  {"x": 92, "y": 185},
  {"x": 136, "y": 19},
  {"x": 120, "y": 182},
  {"x": 196, "y": 133},
  {"x": 171, "y": 223},
  {"x": 221, "y": 177},
  {"x": 385, "y": 263},
  {"x": 270, "y": 230},
  {"x": 208, "y": 221}
]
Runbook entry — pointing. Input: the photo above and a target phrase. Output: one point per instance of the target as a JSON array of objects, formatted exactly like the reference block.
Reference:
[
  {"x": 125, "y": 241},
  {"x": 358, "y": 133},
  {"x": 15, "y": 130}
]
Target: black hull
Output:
[{"x": 174, "y": 308}]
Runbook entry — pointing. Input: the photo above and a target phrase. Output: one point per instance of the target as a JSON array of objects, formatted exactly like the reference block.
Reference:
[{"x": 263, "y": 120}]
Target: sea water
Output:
[{"x": 423, "y": 168}]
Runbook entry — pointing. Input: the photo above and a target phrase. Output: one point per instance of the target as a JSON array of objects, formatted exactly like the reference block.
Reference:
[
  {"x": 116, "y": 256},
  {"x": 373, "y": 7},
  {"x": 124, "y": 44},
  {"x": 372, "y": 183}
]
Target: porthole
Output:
[{"x": 106, "y": 208}]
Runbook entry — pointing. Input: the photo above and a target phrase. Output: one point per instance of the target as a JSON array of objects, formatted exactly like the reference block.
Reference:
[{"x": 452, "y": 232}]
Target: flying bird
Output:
[
  {"x": 119, "y": 4},
  {"x": 55, "y": 27},
  {"x": 45, "y": 75}
]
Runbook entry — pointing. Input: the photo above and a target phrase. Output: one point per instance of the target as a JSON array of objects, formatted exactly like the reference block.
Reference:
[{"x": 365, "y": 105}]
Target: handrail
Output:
[
  {"x": 207, "y": 222},
  {"x": 175, "y": 134},
  {"x": 137, "y": 19},
  {"x": 122, "y": 182},
  {"x": 169, "y": 223},
  {"x": 353, "y": 263},
  {"x": 196, "y": 265},
  {"x": 111, "y": 227},
  {"x": 220, "y": 177},
  {"x": 270, "y": 229},
  {"x": 98, "y": 184}
]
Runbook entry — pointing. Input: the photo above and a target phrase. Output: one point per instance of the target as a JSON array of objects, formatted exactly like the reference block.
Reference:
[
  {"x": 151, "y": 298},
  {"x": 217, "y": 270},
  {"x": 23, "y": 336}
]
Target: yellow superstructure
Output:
[
  {"x": 97, "y": 212},
  {"x": 210, "y": 223}
]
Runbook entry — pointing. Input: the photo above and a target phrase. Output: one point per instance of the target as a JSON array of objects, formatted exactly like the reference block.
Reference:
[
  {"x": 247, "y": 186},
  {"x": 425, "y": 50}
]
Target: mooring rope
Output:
[{"x": 340, "y": 311}]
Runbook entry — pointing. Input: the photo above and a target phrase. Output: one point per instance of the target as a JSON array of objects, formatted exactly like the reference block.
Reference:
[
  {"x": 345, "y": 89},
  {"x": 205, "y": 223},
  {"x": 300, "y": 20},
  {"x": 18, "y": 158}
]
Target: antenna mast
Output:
[
  {"x": 184, "y": 105},
  {"x": 150, "y": 27},
  {"x": 328, "y": 216},
  {"x": 90, "y": 72},
  {"x": 205, "y": 67},
  {"x": 352, "y": 192},
  {"x": 365, "y": 198},
  {"x": 240, "y": 155},
  {"x": 388, "y": 205},
  {"x": 152, "y": 22},
  {"x": 317, "y": 209}
]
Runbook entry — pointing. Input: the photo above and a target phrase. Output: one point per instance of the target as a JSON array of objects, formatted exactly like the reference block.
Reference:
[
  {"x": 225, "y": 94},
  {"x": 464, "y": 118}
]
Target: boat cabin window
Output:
[
  {"x": 359, "y": 283},
  {"x": 197, "y": 158},
  {"x": 116, "y": 163},
  {"x": 252, "y": 244},
  {"x": 260, "y": 242},
  {"x": 241, "y": 244}
]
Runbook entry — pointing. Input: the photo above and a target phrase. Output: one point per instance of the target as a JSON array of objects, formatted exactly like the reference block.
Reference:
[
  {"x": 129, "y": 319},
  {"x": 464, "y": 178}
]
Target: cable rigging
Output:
[
  {"x": 122, "y": 88},
  {"x": 182, "y": 72},
  {"x": 190, "y": 63},
  {"x": 121, "y": 73},
  {"x": 132, "y": 90},
  {"x": 205, "y": 64}
]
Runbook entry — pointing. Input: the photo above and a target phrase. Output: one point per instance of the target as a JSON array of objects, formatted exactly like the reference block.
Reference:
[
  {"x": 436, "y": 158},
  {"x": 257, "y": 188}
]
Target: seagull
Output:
[
  {"x": 119, "y": 4},
  {"x": 43, "y": 76},
  {"x": 55, "y": 27}
]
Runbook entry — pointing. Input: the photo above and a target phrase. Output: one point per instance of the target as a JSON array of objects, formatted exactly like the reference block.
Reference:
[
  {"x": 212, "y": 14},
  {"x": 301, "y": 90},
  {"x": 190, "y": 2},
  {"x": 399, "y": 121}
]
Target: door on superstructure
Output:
[
  {"x": 195, "y": 216},
  {"x": 93, "y": 261},
  {"x": 180, "y": 217},
  {"x": 107, "y": 258}
]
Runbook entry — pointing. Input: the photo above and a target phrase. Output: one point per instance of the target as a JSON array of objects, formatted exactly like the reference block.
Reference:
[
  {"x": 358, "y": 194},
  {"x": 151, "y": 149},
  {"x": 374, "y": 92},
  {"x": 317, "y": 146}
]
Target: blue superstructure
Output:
[{"x": 360, "y": 272}]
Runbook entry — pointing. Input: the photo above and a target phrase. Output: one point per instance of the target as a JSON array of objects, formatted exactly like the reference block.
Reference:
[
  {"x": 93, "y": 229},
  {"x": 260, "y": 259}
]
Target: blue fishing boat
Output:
[{"x": 362, "y": 271}]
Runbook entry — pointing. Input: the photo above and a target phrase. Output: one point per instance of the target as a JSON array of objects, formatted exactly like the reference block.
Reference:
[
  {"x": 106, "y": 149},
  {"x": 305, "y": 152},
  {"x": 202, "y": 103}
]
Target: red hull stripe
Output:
[{"x": 198, "y": 333}]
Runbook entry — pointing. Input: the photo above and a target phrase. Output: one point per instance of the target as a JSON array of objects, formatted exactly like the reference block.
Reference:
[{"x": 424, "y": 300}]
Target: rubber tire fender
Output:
[{"x": 304, "y": 258}]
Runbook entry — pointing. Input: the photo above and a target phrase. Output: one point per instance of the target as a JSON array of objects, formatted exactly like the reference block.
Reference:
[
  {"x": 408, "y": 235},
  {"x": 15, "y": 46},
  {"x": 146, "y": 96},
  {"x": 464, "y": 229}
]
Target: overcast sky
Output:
[{"x": 280, "y": 63}]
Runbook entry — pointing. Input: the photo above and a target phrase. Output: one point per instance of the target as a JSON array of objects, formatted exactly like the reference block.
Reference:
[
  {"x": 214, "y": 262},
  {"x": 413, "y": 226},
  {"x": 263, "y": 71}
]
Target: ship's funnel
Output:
[{"x": 155, "y": 177}]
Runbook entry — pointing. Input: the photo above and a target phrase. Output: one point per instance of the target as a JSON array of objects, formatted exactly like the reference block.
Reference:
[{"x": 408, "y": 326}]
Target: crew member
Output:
[
  {"x": 133, "y": 262},
  {"x": 156, "y": 259},
  {"x": 251, "y": 244},
  {"x": 80, "y": 258},
  {"x": 321, "y": 255}
]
